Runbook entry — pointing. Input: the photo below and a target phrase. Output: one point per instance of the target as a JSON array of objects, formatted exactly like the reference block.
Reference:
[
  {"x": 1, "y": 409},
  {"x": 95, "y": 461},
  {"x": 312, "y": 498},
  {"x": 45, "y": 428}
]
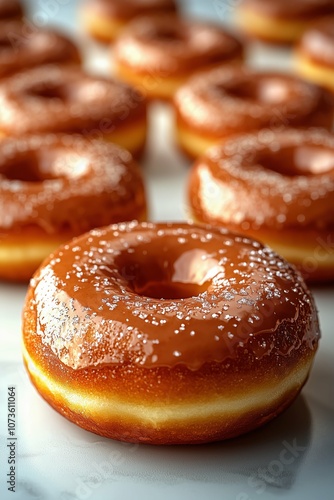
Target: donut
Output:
[
  {"x": 276, "y": 187},
  {"x": 67, "y": 100},
  {"x": 168, "y": 333},
  {"x": 53, "y": 188},
  {"x": 22, "y": 48},
  {"x": 10, "y": 9},
  {"x": 314, "y": 54},
  {"x": 160, "y": 53},
  {"x": 220, "y": 103},
  {"x": 281, "y": 21},
  {"x": 105, "y": 19}
]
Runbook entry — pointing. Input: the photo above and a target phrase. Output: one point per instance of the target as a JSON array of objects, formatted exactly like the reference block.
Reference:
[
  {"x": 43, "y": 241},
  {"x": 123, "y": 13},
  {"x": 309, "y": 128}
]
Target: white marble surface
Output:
[{"x": 291, "y": 458}]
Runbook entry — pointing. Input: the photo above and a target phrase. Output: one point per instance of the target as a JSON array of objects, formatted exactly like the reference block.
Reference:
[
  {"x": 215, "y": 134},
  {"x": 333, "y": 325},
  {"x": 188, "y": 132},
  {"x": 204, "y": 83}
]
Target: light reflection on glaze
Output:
[
  {"x": 77, "y": 184},
  {"x": 88, "y": 313},
  {"x": 281, "y": 180},
  {"x": 166, "y": 45}
]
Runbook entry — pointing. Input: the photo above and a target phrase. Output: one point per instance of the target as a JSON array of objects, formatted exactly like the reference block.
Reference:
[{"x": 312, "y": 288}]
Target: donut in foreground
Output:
[
  {"x": 276, "y": 187},
  {"x": 217, "y": 104},
  {"x": 54, "y": 188},
  {"x": 168, "y": 333}
]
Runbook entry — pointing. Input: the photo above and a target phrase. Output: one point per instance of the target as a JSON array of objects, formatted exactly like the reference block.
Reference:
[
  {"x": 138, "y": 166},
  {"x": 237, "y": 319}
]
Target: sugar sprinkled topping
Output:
[
  {"x": 78, "y": 182},
  {"x": 211, "y": 101},
  {"x": 253, "y": 195},
  {"x": 98, "y": 316}
]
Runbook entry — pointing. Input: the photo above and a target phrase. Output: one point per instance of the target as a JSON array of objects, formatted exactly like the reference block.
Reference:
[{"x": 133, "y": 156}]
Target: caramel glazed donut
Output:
[
  {"x": 282, "y": 21},
  {"x": 216, "y": 105},
  {"x": 314, "y": 54},
  {"x": 10, "y": 10},
  {"x": 161, "y": 53},
  {"x": 22, "y": 47},
  {"x": 277, "y": 187},
  {"x": 54, "y": 188},
  {"x": 67, "y": 100},
  {"x": 168, "y": 333},
  {"x": 105, "y": 19}
]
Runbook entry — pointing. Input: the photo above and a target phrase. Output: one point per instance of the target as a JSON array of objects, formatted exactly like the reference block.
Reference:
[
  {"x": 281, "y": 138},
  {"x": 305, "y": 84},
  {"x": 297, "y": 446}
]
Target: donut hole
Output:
[
  {"x": 47, "y": 91},
  {"x": 26, "y": 168},
  {"x": 5, "y": 44},
  {"x": 166, "y": 34},
  {"x": 263, "y": 90},
  {"x": 303, "y": 160},
  {"x": 169, "y": 276}
]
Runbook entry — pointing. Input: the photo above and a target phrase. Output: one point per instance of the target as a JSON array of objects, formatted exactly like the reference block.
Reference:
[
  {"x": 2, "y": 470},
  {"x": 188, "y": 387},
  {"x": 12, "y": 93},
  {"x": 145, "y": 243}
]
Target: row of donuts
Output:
[
  {"x": 66, "y": 100},
  {"x": 58, "y": 179},
  {"x": 140, "y": 43},
  {"x": 273, "y": 185},
  {"x": 231, "y": 353}
]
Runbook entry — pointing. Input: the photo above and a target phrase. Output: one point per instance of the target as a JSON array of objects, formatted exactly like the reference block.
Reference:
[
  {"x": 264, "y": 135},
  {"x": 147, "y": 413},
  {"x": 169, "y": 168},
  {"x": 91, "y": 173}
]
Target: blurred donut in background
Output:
[{"x": 105, "y": 19}]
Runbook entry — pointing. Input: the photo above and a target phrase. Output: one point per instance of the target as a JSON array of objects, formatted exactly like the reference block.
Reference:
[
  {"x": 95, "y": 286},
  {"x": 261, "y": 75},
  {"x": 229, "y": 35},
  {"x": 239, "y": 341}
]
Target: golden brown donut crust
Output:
[
  {"x": 266, "y": 183},
  {"x": 54, "y": 188},
  {"x": 23, "y": 47},
  {"x": 233, "y": 325}
]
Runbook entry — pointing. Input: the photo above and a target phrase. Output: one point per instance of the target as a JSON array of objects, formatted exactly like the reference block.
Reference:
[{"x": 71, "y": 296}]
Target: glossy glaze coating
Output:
[
  {"x": 10, "y": 9},
  {"x": 127, "y": 9},
  {"x": 168, "y": 45},
  {"x": 65, "y": 185},
  {"x": 65, "y": 99},
  {"x": 287, "y": 9},
  {"x": 161, "y": 295},
  {"x": 223, "y": 102},
  {"x": 23, "y": 46},
  {"x": 276, "y": 181},
  {"x": 317, "y": 43}
]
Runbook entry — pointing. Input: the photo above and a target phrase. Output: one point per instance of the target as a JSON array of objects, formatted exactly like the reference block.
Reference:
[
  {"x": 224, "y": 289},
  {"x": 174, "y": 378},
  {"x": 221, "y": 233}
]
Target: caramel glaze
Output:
[
  {"x": 170, "y": 295},
  {"x": 67, "y": 185},
  {"x": 287, "y": 9},
  {"x": 22, "y": 47},
  {"x": 10, "y": 9},
  {"x": 267, "y": 181},
  {"x": 169, "y": 45},
  {"x": 224, "y": 102},
  {"x": 128, "y": 9},
  {"x": 317, "y": 43},
  {"x": 65, "y": 99}
]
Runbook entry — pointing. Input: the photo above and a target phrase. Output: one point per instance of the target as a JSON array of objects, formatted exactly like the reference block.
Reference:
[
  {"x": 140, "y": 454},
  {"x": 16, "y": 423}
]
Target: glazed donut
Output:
[
  {"x": 67, "y": 100},
  {"x": 161, "y": 53},
  {"x": 105, "y": 19},
  {"x": 54, "y": 188},
  {"x": 168, "y": 333},
  {"x": 278, "y": 188},
  {"x": 21, "y": 48},
  {"x": 281, "y": 21},
  {"x": 315, "y": 54},
  {"x": 10, "y": 9},
  {"x": 216, "y": 105}
]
